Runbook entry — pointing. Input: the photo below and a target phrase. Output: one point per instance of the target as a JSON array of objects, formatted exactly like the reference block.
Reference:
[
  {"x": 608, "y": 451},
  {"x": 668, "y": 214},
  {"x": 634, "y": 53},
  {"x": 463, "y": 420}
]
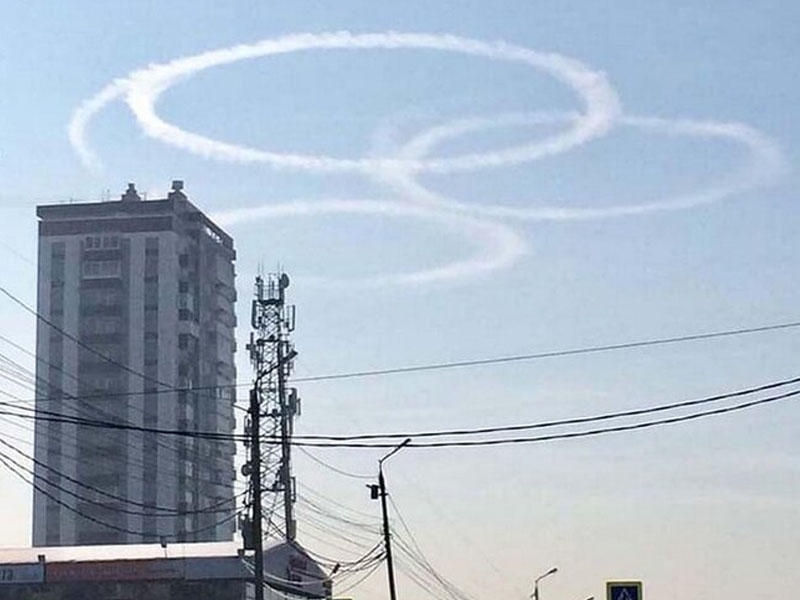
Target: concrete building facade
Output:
[{"x": 136, "y": 303}]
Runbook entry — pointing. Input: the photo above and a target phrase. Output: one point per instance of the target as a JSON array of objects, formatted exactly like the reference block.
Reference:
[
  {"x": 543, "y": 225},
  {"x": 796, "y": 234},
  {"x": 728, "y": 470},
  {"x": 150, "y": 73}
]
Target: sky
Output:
[{"x": 459, "y": 180}]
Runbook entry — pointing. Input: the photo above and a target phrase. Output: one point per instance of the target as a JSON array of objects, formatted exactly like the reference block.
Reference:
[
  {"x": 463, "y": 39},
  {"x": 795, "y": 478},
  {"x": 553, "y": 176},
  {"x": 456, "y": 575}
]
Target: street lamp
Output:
[
  {"x": 379, "y": 491},
  {"x": 535, "y": 594}
]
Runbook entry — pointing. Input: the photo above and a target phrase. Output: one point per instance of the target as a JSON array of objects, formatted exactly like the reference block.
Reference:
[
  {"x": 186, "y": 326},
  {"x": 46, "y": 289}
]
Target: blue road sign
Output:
[{"x": 624, "y": 590}]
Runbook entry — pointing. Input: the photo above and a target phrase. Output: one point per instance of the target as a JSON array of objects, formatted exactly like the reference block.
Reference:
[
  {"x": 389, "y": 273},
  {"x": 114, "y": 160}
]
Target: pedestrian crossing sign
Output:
[{"x": 624, "y": 590}]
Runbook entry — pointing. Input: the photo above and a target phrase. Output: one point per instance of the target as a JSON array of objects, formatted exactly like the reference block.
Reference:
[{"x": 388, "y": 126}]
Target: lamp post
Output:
[
  {"x": 379, "y": 491},
  {"x": 535, "y": 594}
]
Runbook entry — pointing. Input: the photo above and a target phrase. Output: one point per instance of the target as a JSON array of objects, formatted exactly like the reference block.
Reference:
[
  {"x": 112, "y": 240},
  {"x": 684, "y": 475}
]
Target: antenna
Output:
[{"x": 272, "y": 354}]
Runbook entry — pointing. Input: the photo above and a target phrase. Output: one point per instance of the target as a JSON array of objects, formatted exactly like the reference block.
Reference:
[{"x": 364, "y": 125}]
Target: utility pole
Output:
[
  {"x": 387, "y": 538},
  {"x": 255, "y": 474},
  {"x": 271, "y": 354},
  {"x": 377, "y": 491}
]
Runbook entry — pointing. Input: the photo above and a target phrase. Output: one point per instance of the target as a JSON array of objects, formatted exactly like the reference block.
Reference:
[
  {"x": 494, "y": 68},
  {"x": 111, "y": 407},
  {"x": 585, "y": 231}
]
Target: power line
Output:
[
  {"x": 414, "y": 552},
  {"x": 342, "y": 533},
  {"x": 171, "y": 512},
  {"x": 322, "y": 441},
  {"x": 42, "y": 415},
  {"x": 366, "y": 526},
  {"x": 5, "y": 460},
  {"x": 78, "y": 341},
  {"x": 159, "y": 442},
  {"x": 329, "y": 466},
  {"x": 322, "y": 498},
  {"x": 561, "y": 436},
  {"x": 550, "y": 354},
  {"x": 104, "y": 461},
  {"x": 362, "y": 579},
  {"x": 83, "y": 406},
  {"x": 454, "y": 364},
  {"x": 547, "y": 424},
  {"x": 108, "y": 359}
]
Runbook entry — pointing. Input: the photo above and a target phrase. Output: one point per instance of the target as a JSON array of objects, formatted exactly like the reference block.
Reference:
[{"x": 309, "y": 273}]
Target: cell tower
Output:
[{"x": 271, "y": 417}]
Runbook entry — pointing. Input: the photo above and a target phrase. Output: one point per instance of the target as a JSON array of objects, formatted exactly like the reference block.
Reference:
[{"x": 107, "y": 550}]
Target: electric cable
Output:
[
  {"x": 558, "y": 423},
  {"x": 172, "y": 511},
  {"x": 329, "y": 466},
  {"x": 58, "y": 501},
  {"x": 88, "y": 348},
  {"x": 419, "y": 559},
  {"x": 83, "y": 406},
  {"x": 94, "y": 460},
  {"x": 563, "y": 436},
  {"x": 355, "y": 538},
  {"x": 482, "y": 361},
  {"x": 550, "y": 354},
  {"x": 42, "y": 415},
  {"x": 333, "y": 442},
  {"x": 119, "y": 509},
  {"x": 160, "y": 442},
  {"x": 416, "y": 554},
  {"x": 362, "y": 580},
  {"x": 371, "y": 527},
  {"x": 322, "y": 498}
]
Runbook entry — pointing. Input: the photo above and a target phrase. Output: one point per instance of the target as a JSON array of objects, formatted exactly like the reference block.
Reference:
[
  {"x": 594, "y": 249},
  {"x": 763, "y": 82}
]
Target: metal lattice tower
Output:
[{"x": 272, "y": 410}]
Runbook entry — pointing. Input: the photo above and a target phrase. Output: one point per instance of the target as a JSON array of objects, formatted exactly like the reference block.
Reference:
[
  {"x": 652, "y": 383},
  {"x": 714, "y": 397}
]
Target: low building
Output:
[{"x": 211, "y": 571}]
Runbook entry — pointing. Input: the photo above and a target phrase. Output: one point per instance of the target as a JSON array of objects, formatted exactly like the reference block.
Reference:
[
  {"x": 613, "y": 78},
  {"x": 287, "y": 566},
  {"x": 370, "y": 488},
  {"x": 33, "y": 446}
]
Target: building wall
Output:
[
  {"x": 150, "y": 286},
  {"x": 152, "y": 590}
]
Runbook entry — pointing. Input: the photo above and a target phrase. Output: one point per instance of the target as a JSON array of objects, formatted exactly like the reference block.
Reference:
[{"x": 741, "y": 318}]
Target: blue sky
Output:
[{"x": 693, "y": 507}]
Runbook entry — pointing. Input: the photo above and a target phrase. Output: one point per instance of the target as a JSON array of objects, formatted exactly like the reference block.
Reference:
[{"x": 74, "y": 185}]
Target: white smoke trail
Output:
[
  {"x": 500, "y": 246},
  {"x": 143, "y": 87},
  {"x": 765, "y": 166},
  {"x": 76, "y": 130}
]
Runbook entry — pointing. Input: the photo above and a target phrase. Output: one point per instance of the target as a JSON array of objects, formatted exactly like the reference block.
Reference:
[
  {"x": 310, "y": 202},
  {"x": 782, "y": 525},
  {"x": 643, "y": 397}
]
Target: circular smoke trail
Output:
[
  {"x": 766, "y": 164},
  {"x": 500, "y": 245}
]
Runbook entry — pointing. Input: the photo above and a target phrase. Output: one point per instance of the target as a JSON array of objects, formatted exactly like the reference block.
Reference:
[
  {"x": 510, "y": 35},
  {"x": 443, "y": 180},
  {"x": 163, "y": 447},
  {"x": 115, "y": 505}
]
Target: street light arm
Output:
[
  {"x": 550, "y": 572},
  {"x": 402, "y": 444},
  {"x": 535, "y": 594}
]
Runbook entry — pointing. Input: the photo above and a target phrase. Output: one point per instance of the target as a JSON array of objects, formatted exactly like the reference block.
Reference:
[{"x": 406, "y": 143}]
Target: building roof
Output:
[
  {"x": 287, "y": 566},
  {"x": 118, "y": 552},
  {"x": 130, "y": 206}
]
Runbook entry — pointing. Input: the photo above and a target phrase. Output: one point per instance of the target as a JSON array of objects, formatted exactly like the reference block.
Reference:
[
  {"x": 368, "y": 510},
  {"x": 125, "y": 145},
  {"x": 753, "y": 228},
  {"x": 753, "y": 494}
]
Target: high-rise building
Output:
[{"x": 136, "y": 328}]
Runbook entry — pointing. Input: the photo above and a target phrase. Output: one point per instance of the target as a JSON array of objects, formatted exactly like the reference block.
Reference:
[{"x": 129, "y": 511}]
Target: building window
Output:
[
  {"x": 57, "y": 257},
  {"x": 183, "y": 341},
  {"x": 101, "y": 268},
  {"x": 151, "y": 295},
  {"x": 185, "y": 300},
  {"x": 151, "y": 318},
  {"x": 102, "y": 325},
  {"x": 94, "y": 383},
  {"x": 57, "y": 300},
  {"x": 151, "y": 350},
  {"x": 101, "y": 297}
]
